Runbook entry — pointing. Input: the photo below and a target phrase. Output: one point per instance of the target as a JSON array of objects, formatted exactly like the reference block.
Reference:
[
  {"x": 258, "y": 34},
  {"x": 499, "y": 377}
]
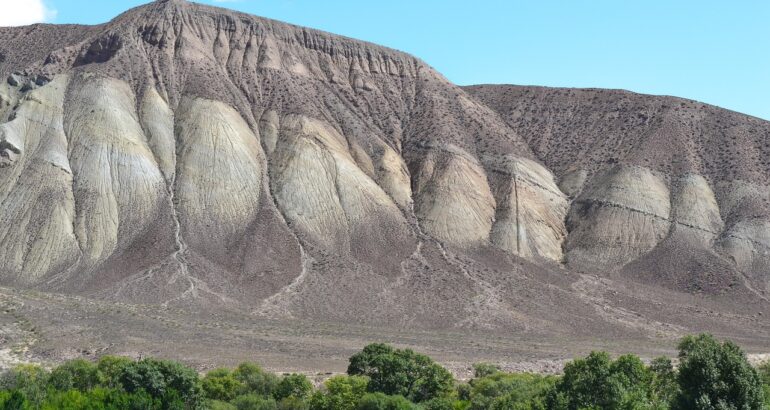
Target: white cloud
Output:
[{"x": 23, "y": 12}]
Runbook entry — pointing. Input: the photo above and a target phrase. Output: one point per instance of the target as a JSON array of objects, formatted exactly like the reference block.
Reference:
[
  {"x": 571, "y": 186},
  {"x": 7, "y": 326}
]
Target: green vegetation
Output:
[
  {"x": 711, "y": 375},
  {"x": 714, "y": 375},
  {"x": 401, "y": 372}
]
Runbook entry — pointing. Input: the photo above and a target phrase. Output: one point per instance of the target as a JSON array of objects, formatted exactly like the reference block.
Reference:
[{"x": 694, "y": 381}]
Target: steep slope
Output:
[
  {"x": 194, "y": 155},
  {"x": 191, "y": 157},
  {"x": 676, "y": 189}
]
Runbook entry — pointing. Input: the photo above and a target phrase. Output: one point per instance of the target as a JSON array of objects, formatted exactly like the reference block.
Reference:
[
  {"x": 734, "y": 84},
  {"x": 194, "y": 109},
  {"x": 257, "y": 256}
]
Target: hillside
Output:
[{"x": 194, "y": 159}]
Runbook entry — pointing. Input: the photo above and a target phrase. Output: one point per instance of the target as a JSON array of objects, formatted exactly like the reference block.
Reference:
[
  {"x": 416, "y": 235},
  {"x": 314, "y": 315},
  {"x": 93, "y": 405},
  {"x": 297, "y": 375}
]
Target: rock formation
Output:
[{"x": 188, "y": 155}]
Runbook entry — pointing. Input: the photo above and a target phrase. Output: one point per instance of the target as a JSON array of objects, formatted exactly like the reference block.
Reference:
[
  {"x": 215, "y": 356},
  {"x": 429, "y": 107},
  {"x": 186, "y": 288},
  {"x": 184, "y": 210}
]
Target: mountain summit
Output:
[{"x": 189, "y": 156}]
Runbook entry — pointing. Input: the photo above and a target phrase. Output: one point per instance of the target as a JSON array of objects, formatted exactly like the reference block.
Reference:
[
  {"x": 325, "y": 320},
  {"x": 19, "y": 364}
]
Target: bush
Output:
[
  {"x": 341, "y": 393},
  {"x": 110, "y": 369},
  {"x": 255, "y": 380},
  {"x": 401, "y": 372},
  {"x": 28, "y": 383},
  {"x": 292, "y": 403},
  {"x": 443, "y": 403},
  {"x": 503, "y": 391},
  {"x": 99, "y": 399},
  {"x": 714, "y": 375},
  {"x": 219, "y": 405},
  {"x": 254, "y": 402},
  {"x": 484, "y": 369},
  {"x": 764, "y": 372},
  {"x": 221, "y": 384},
  {"x": 381, "y": 401},
  {"x": 76, "y": 374},
  {"x": 293, "y": 385},
  {"x": 169, "y": 381},
  {"x": 13, "y": 400}
]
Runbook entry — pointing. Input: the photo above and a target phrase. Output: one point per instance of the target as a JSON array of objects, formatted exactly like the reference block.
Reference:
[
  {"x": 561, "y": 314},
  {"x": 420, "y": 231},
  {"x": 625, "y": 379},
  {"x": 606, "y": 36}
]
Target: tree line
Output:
[{"x": 711, "y": 375}]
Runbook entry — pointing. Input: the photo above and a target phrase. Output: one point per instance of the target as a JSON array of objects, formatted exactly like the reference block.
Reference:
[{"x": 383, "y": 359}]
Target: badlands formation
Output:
[{"x": 189, "y": 157}]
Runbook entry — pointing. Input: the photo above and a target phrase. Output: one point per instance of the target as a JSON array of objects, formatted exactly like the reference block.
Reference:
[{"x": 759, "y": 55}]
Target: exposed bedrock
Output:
[
  {"x": 626, "y": 213},
  {"x": 37, "y": 206},
  {"x": 619, "y": 216},
  {"x": 695, "y": 211},
  {"x": 746, "y": 237},
  {"x": 530, "y": 214},
  {"x": 219, "y": 174},
  {"x": 118, "y": 186},
  {"x": 453, "y": 200},
  {"x": 324, "y": 195}
]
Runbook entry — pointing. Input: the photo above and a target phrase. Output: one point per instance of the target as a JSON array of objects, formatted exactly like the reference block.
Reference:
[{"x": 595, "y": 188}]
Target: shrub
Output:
[
  {"x": 255, "y": 380},
  {"x": 292, "y": 403},
  {"x": 484, "y": 369},
  {"x": 401, "y": 372},
  {"x": 28, "y": 383},
  {"x": 13, "y": 400},
  {"x": 714, "y": 375},
  {"x": 764, "y": 374},
  {"x": 293, "y": 385},
  {"x": 99, "y": 399},
  {"x": 110, "y": 369},
  {"x": 221, "y": 384},
  {"x": 381, "y": 401},
  {"x": 76, "y": 374},
  {"x": 254, "y": 402},
  {"x": 341, "y": 393},
  {"x": 167, "y": 380},
  {"x": 442, "y": 403},
  {"x": 219, "y": 405},
  {"x": 502, "y": 390}
]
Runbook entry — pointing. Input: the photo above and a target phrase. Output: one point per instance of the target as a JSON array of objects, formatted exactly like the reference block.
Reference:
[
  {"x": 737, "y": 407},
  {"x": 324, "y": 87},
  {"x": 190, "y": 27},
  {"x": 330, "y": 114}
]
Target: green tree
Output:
[
  {"x": 110, "y": 369},
  {"x": 164, "y": 379},
  {"x": 221, "y": 384},
  {"x": 714, "y": 375},
  {"x": 401, "y": 372},
  {"x": 665, "y": 386},
  {"x": 340, "y": 393},
  {"x": 381, "y": 401},
  {"x": 76, "y": 374},
  {"x": 503, "y": 390},
  {"x": 293, "y": 385},
  {"x": 255, "y": 380},
  {"x": 597, "y": 382}
]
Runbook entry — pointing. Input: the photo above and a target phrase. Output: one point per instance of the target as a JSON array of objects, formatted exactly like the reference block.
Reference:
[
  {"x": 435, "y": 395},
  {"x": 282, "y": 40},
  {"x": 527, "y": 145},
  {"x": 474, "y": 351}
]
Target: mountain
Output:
[
  {"x": 664, "y": 189},
  {"x": 190, "y": 157}
]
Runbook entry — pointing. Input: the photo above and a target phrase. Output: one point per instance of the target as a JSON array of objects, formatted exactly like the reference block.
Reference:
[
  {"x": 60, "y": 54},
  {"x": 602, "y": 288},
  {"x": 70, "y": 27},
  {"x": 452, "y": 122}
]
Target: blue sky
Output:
[{"x": 712, "y": 51}]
